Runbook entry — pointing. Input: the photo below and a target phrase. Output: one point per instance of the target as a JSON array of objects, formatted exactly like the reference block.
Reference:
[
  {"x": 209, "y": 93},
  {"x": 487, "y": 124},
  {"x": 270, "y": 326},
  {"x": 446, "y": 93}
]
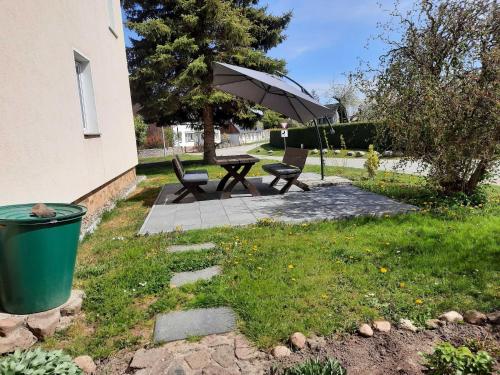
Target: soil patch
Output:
[{"x": 395, "y": 352}]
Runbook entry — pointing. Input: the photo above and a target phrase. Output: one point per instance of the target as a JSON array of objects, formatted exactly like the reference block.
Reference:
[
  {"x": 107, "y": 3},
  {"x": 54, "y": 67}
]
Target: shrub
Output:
[
  {"x": 141, "y": 130},
  {"x": 448, "y": 360},
  {"x": 316, "y": 367},
  {"x": 438, "y": 89},
  {"x": 372, "y": 162},
  {"x": 356, "y": 135},
  {"x": 38, "y": 361},
  {"x": 343, "y": 146}
]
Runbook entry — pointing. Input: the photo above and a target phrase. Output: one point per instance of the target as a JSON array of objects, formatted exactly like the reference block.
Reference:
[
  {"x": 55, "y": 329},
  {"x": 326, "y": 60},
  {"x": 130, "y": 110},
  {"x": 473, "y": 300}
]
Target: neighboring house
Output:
[
  {"x": 66, "y": 125},
  {"x": 190, "y": 139},
  {"x": 333, "y": 116},
  {"x": 234, "y": 135}
]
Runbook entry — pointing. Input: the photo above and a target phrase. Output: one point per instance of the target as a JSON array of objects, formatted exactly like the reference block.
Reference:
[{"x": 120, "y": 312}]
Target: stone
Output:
[
  {"x": 365, "y": 330},
  {"x": 73, "y": 306},
  {"x": 198, "y": 359},
  {"x": 216, "y": 340},
  {"x": 433, "y": 323},
  {"x": 387, "y": 154},
  {"x": 217, "y": 370},
  {"x": 475, "y": 317},
  {"x": 182, "y": 278},
  {"x": 248, "y": 368},
  {"x": 316, "y": 343},
  {"x": 175, "y": 368},
  {"x": 359, "y": 154},
  {"x": 147, "y": 358},
  {"x": 407, "y": 325},
  {"x": 179, "y": 325},
  {"x": 245, "y": 353},
  {"x": 382, "y": 326},
  {"x": 350, "y": 153},
  {"x": 324, "y": 151},
  {"x": 494, "y": 317},
  {"x": 86, "y": 364},
  {"x": 64, "y": 323},
  {"x": 196, "y": 247},
  {"x": 270, "y": 152},
  {"x": 336, "y": 152},
  {"x": 21, "y": 338},
  {"x": 451, "y": 317},
  {"x": 298, "y": 340},
  {"x": 44, "y": 324},
  {"x": 42, "y": 210},
  {"x": 315, "y": 151},
  {"x": 9, "y": 323},
  {"x": 224, "y": 356},
  {"x": 281, "y": 351}
]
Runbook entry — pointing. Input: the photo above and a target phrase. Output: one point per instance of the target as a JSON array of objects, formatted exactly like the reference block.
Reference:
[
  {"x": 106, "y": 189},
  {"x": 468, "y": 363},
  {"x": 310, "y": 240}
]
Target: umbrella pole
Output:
[{"x": 320, "y": 150}]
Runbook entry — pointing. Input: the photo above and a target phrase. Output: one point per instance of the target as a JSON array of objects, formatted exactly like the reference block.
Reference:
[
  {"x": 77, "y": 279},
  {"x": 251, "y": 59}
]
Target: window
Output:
[
  {"x": 189, "y": 137},
  {"x": 86, "y": 95},
  {"x": 111, "y": 17}
]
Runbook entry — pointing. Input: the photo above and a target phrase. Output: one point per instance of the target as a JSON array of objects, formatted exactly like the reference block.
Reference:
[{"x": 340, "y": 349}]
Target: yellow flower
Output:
[
  {"x": 293, "y": 279},
  {"x": 324, "y": 296},
  {"x": 383, "y": 269},
  {"x": 259, "y": 268},
  {"x": 418, "y": 301},
  {"x": 291, "y": 266},
  {"x": 402, "y": 285}
]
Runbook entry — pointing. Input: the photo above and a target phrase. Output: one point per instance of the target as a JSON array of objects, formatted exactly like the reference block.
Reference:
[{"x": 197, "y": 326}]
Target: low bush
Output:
[
  {"x": 316, "y": 367},
  {"x": 448, "y": 360},
  {"x": 38, "y": 362},
  {"x": 355, "y": 135}
]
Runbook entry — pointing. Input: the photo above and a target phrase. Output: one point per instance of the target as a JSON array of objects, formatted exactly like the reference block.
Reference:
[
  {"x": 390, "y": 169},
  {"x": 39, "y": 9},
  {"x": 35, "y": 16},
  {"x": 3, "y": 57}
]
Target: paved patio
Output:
[{"x": 336, "y": 201}]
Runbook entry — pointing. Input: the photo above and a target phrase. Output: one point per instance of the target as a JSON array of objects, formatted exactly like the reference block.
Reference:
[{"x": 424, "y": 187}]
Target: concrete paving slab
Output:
[
  {"x": 182, "y": 278},
  {"x": 194, "y": 247},
  {"x": 180, "y": 325},
  {"x": 329, "y": 202}
]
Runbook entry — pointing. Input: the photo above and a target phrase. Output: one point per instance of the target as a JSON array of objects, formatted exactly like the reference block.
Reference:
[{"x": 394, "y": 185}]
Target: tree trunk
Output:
[
  {"x": 476, "y": 177},
  {"x": 208, "y": 134}
]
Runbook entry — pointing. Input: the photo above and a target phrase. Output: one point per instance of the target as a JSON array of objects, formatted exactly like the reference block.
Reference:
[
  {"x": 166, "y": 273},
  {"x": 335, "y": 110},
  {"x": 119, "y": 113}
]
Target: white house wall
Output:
[{"x": 44, "y": 155}]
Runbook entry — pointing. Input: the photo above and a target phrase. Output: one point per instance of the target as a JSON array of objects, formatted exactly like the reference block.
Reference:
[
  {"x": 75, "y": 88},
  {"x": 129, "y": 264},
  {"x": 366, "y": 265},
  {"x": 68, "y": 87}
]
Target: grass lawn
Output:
[{"x": 318, "y": 278}]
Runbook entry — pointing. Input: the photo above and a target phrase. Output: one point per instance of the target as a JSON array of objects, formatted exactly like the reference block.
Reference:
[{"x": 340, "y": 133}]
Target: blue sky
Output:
[{"x": 327, "y": 38}]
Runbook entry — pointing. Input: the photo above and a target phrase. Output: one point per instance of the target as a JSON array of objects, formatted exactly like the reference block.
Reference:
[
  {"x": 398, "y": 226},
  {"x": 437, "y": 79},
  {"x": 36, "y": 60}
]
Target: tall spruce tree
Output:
[{"x": 171, "y": 60}]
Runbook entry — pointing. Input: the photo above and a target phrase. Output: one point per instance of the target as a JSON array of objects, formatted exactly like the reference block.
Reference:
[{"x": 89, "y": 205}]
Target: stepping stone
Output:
[
  {"x": 180, "y": 325},
  {"x": 182, "y": 278},
  {"x": 196, "y": 247}
]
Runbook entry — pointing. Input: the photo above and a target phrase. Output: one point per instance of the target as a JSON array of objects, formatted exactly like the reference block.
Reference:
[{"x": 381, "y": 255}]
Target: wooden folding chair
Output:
[
  {"x": 289, "y": 170},
  {"x": 191, "y": 181}
]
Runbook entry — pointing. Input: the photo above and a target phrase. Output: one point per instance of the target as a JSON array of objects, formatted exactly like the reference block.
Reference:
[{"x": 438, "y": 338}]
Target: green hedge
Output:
[{"x": 357, "y": 135}]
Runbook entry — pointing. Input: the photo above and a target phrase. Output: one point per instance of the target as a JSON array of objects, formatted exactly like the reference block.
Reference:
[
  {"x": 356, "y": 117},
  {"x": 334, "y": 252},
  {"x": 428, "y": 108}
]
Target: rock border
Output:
[{"x": 23, "y": 331}]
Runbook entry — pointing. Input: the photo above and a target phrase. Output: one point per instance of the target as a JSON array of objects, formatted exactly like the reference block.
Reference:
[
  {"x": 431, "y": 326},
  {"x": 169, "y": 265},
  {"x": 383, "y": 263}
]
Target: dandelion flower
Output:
[
  {"x": 291, "y": 266},
  {"x": 418, "y": 301},
  {"x": 324, "y": 296},
  {"x": 402, "y": 285},
  {"x": 383, "y": 269}
]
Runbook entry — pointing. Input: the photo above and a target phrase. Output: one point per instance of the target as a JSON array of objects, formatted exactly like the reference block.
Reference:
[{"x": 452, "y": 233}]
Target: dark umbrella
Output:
[{"x": 273, "y": 92}]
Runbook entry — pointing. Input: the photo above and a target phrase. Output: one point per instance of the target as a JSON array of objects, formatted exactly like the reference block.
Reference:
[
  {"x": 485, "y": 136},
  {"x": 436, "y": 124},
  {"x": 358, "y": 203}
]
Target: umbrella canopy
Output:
[{"x": 269, "y": 91}]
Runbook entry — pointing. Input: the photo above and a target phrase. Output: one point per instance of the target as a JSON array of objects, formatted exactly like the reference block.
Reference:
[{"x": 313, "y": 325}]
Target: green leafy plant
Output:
[
  {"x": 141, "y": 130},
  {"x": 38, "y": 362},
  {"x": 316, "y": 367},
  {"x": 448, "y": 360},
  {"x": 372, "y": 162},
  {"x": 343, "y": 146}
]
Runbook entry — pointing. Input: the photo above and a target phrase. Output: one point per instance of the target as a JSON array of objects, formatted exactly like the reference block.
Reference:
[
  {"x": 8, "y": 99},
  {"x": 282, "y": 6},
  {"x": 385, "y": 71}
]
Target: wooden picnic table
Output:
[{"x": 237, "y": 167}]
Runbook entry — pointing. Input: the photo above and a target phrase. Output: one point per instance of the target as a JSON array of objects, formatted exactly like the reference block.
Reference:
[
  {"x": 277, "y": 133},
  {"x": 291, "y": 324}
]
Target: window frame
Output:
[{"x": 86, "y": 95}]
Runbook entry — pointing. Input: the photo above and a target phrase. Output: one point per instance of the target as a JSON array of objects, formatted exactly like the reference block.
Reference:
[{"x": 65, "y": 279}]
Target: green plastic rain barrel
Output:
[{"x": 37, "y": 257}]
